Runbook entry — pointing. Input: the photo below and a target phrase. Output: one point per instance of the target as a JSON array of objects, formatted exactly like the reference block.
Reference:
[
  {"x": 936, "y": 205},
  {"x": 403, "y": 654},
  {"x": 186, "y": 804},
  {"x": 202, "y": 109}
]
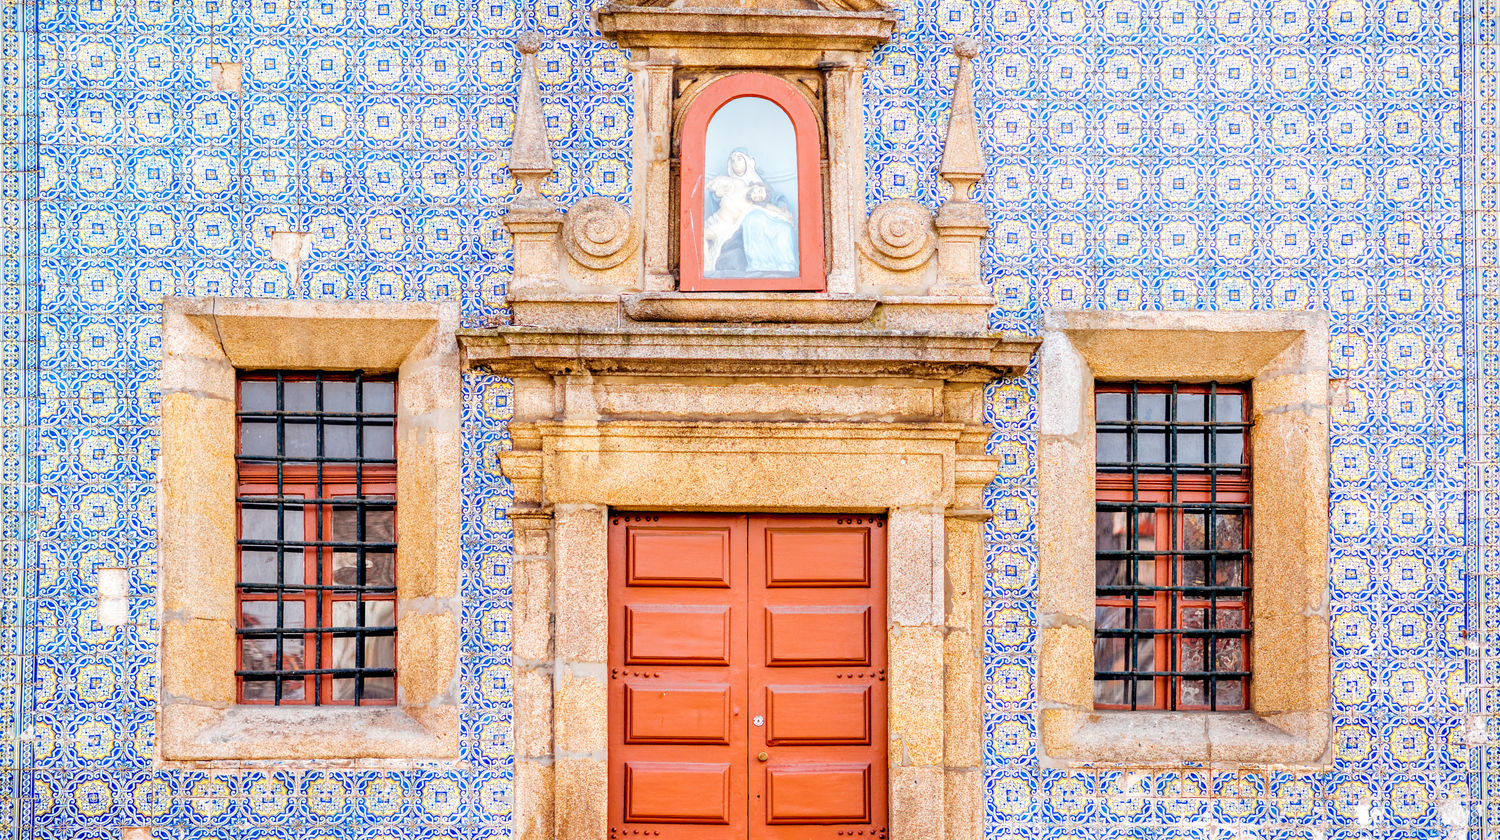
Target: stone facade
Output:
[{"x": 491, "y": 181}]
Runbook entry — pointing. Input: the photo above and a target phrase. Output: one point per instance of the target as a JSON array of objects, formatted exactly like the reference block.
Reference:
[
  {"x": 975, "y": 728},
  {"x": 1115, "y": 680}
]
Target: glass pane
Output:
[
  {"x": 346, "y": 568},
  {"x": 260, "y": 690},
  {"x": 380, "y": 651},
  {"x": 1229, "y": 654},
  {"x": 1192, "y": 408},
  {"x": 1191, "y": 572},
  {"x": 1193, "y": 618},
  {"x": 1110, "y": 692},
  {"x": 1111, "y": 407},
  {"x": 257, "y": 655},
  {"x": 380, "y": 525},
  {"x": 257, "y": 566},
  {"x": 1145, "y": 653},
  {"x": 338, "y": 397},
  {"x": 1109, "y": 530},
  {"x": 292, "y": 648},
  {"x": 1151, "y": 447},
  {"x": 301, "y": 439},
  {"x": 1228, "y": 571},
  {"x": 1229, "y": 531},
  {"x": 302, "y": 396},
  {"x": 1110, "y": 618},
  {"x": 258, "y": 438},
  {"x": 294, "y": 689},
  {"x": 343, "y": 689},
  {"x": 1231, "y": 448},
  {"x": 1110, "y": 448},
  {"x": 379, "y": 398},
  {"x": 380, "y": 568},
  {"x": 380, "y": 442},
  {"x": 1145, "y": 532},
  {"x": 345, "y": 614},
  {"x": 1191, "y": 653},
  {"x": 750, "y": 191},
  {"x": 257, "y": 614},
  {"x": 1194, "y": 693},
  {"x": 1229, "y": 408},
  {"x": 293, "y": 614},
  {"x": 1109, "y": 654},
  {"x": 1229, "y": 694},
  {"x": 1229, "y": 619},
  {"x": 380, "y": 688},
  {"x": 1190, "y": 448},
  {"x": 345, "y": 524},
  {"x": 1111, "y": 571},
  {"x": 1192, "y": 532},
  {"x": 343, "y": 653},
  {"x": 380, "y": 613},
  {"x": 338, "y": 440},
  {"x": 257, "y": 395},
  {"x": 1145, "y": 693},
  {"x": 1151, "y": 408},
  {"x": 258, "y": 523}
]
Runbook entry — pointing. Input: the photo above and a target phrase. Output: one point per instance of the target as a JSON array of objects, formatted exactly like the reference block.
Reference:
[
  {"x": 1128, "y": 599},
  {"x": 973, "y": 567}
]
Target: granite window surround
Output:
[
  {"x": 1284, "y": 357},
  {"x": 205, "y": 341}
]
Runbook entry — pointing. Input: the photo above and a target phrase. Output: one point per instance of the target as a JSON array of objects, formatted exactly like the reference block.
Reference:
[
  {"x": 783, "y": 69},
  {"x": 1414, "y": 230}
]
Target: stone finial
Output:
[
  {"x": 963, "y": 164},
  {"x": 961, "y": 223},
  {"x": 530, "y": 152}
]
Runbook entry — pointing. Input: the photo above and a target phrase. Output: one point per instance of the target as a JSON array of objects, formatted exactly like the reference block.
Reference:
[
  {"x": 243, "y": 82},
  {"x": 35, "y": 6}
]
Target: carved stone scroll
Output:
[
  {"x": 899, "y": 235},
  {"x": 600, "y": 233}
]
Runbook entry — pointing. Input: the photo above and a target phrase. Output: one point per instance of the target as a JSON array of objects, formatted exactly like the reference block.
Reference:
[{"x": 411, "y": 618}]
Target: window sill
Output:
[
  {"x": 1173, "y": 738},
  {"x": 193, "y": 733}
]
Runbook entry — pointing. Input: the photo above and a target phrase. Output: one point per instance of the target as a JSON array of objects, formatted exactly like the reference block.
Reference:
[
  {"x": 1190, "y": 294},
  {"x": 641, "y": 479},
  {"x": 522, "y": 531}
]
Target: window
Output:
[
  {"x": 751, "y": 195},
  {"x": 1172, "y": 558},
  {"x": 316, "y": 499}
]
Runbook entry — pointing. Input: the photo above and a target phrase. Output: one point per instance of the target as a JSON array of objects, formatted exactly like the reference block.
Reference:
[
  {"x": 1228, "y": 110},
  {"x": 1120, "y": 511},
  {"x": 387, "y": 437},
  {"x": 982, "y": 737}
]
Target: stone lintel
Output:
[
  {"x": 748, "y": 37},
  {"x": 758, "y": 351}
]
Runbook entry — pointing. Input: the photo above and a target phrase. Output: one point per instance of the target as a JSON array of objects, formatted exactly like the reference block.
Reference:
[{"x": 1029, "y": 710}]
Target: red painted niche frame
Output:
[{"x": 809, "y": 187}]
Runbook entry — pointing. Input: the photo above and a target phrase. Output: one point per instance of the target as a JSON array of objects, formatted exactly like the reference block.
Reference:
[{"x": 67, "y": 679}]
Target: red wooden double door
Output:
[{"x": 747, "y": 691}]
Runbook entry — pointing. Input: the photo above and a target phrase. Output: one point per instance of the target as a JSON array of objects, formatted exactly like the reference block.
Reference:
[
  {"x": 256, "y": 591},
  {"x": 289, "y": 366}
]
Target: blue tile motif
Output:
[{"x": 1185, "y": 154}]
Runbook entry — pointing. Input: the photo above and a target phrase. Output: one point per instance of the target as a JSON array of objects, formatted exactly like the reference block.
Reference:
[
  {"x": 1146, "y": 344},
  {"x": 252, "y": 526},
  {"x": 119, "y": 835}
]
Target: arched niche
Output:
[{"x": 751, "y": 208}]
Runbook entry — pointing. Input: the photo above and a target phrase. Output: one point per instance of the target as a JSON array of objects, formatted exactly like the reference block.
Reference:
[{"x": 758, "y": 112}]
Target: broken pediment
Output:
[{"x": 764, "y": 33}]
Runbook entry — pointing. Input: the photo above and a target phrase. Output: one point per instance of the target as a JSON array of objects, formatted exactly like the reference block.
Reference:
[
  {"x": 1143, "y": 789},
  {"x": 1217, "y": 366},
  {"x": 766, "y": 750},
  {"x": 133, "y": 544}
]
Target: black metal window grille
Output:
[
  {"x": 1172, "y": 552},
  {"x": 316, "y": 503}
]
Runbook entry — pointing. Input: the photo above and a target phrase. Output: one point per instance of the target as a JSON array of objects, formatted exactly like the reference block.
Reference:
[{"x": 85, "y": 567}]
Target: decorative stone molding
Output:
[
  {"x": 899, "y": 235},
  {"x": 765, "y": 418},
  {"x": 1284, "y": 355},
  {"x": 599, "y": 233},
  {"x": 205, "y": 340}
]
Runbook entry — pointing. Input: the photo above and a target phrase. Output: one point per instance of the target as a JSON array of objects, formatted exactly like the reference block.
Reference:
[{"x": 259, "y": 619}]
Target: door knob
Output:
[{"x": 763, "y": 756}]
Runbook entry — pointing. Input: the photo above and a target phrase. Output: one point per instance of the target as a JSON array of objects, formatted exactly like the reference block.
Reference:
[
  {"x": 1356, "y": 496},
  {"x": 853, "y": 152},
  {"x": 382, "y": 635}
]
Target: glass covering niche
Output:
[{"x": 750, "y": 192}]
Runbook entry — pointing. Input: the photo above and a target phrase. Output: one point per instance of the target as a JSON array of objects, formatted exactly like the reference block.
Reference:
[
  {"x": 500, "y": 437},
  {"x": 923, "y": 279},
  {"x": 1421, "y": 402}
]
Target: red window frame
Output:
[
  {"x": 1162, "y": 500},
  {"x": 260, "y": 483},
  {"x": 809, "y": 186}
]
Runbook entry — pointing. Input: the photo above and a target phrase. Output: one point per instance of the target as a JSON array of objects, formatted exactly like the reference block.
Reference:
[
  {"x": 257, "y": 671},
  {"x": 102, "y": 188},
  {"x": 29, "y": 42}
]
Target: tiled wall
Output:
[{"x": 1143, "y": 155}]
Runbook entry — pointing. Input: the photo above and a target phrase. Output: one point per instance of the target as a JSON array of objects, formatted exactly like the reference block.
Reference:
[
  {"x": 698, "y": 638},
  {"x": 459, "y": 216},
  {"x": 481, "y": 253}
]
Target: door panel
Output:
[
  {"x": 811, "y": 714},
  {"x": 817, "y": 675},
  {"x": 657, "y": 791},
  {"x": 690, "y": 714},
  {"x": 821, "y": 635},
  {"x": 818, "y": 795},
  {"x": 747, "y": 677},
  {"x": 678, "y": 676},
  {"x": 677, "y": 635}
]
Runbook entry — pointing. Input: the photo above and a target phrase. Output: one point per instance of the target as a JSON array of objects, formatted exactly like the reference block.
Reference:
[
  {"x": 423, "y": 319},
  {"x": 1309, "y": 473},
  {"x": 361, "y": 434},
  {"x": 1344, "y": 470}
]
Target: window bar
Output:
[
  {"x": 1211, "y": 542},
  {"x": 280, "y": 533},
  {"x": 359, "y": 536}
]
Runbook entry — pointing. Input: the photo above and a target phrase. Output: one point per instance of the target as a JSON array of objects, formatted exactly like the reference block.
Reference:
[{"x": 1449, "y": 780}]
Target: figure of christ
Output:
[{"x": 769, "y": 234}]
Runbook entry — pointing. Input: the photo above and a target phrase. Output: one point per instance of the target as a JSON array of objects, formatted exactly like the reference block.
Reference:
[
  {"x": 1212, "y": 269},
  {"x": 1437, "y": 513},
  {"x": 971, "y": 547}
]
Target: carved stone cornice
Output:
[
  {"x": 748, "y": 351},
  {"x": 750, "y": 37}
]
